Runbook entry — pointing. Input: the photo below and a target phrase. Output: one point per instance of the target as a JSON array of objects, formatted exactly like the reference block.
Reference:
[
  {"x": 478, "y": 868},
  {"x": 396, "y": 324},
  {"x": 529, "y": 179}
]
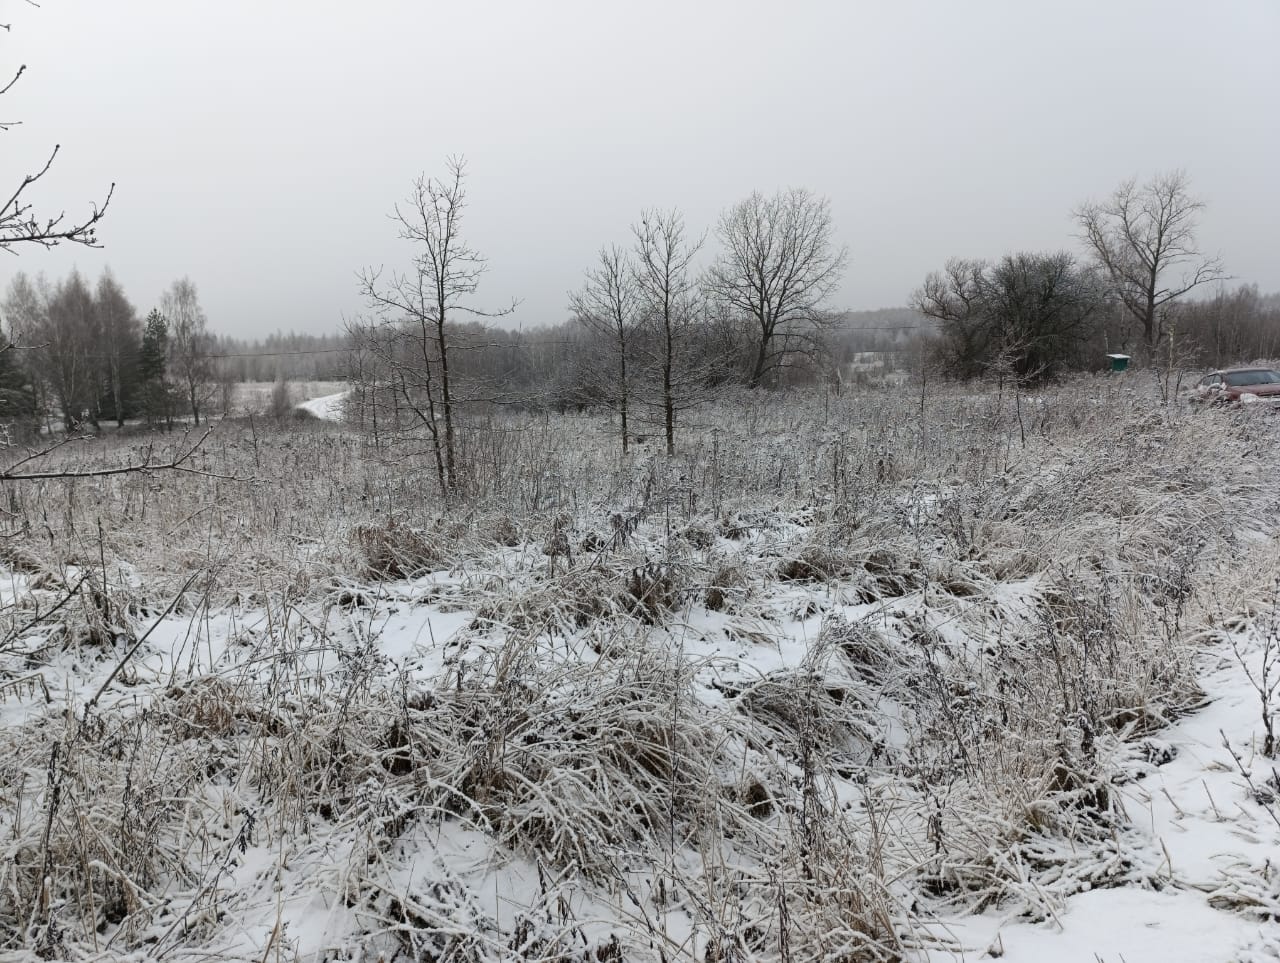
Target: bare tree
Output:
[
  {"x": 778, "y": 268},
  {"x": 20, "y": 224},
  {"x": 366, "y": 373},
  {"x": 59, "y": 327},
  {"x": 1025, "y": 317},
  {"x": 1231, "y": 326},
  {"x": 672, "y": 305},
  {"x": 280, "y": 404},
  {"x": 608, "y": 305},
  {"x": 189, "y": 360},
  {"x": 224, "y": 375},
  {"x": 417, "y": 311},
  {"x": 121, "y": 335},
  {"x": 26, "y": 312},
  {"x": 1144, "y": 239}
]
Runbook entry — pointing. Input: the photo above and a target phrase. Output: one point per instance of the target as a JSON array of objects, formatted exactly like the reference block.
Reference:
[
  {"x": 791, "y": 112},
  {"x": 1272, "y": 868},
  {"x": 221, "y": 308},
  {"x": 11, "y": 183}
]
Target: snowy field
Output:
[
  {"x": 327, "y": 407},
  {"x": 255, "y": 396},
  {"x": 855, "y": 678}
]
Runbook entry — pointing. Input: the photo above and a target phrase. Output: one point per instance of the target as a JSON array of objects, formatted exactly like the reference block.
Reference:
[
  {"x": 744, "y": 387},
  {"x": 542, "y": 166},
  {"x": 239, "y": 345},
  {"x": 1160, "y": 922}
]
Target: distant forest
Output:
[
  {"x": 889, "y": 332},
  {"x": 294, "y": 357},
  {"x": 81, "y": 351}
]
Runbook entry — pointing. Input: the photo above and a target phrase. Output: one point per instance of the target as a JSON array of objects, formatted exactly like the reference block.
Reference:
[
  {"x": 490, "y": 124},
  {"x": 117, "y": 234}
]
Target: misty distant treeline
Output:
[
  {"x": 655, "y": 329},
  {"x": 1139, "y": 290},
  {"x": 554, "y": 365},
  {"x": 289, "y": 356},
  {"x": 79, "y": 352}
]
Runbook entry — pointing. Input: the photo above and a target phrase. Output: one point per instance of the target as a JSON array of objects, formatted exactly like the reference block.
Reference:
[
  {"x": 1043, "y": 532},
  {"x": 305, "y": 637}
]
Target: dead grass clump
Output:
[
  {"x": 816, "y": 562},
  {"x": 17, "y": 556},
  {"x": 394, "y": 550},
  {"x": 571, "y": 600},
  {"x": 802, "y": 710},
  {"x": 204, "y": 706},
  {"x": 600, "y": 760},
  {"x": 654, "y": 589},
  {"x": 698, "y": 537},
  {"x": 90, "y": 838},
  {"x": 754, "y": 796},
  {"x": 894, "y": 572},
  {"x": 350, "y": 598},
  {"x": 737, "y": 526},
  {"x": 868, "y": 652},
  {"x": 728, "y": 585},
  {"x": 505, "y": 531},
  {"x": 455, "y": 531},
  {"x": 1011, "y": 564}
]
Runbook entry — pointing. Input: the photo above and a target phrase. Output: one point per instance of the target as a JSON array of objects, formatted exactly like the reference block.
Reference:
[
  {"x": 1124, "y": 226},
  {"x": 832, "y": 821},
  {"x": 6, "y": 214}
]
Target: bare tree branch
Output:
[
  {"x": 1144, "y": 239},
  {"x": 778, "y": 268},
  {"x": 146, "y": 464},
  {"x": 19, "y": 224},
  {"x": 414, "y": 335}
]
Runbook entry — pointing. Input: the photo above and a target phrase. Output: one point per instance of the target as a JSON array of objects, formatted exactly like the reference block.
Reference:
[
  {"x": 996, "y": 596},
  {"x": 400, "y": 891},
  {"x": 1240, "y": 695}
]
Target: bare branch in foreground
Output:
[{"x": 177, "y": 463}]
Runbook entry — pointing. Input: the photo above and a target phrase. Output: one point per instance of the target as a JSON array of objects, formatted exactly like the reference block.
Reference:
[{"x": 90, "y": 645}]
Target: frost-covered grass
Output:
[{"x": 849, "y": 672}]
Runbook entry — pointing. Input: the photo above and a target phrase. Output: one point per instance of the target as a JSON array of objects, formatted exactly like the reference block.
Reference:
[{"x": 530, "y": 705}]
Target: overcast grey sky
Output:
[{"x": 258, "y": 146}]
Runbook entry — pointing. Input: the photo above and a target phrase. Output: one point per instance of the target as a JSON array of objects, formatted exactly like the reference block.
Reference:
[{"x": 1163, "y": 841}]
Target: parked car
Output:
[{"x": 1237, "y": 386}]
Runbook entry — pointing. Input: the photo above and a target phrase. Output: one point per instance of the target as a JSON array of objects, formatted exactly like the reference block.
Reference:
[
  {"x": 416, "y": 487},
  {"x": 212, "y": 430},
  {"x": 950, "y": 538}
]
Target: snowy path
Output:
[{"x": 327, "y": 408}]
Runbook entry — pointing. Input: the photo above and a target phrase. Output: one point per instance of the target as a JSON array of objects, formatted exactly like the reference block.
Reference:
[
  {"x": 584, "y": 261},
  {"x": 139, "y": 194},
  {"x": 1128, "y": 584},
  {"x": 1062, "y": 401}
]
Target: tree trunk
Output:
[
  {"x": 446, "y": 398},
  {"x": 668, "y": 407},
  {"x": 757, "y": 372},
  {"x": 622, "y": 399},
  {"x": 116, "y": 392}
]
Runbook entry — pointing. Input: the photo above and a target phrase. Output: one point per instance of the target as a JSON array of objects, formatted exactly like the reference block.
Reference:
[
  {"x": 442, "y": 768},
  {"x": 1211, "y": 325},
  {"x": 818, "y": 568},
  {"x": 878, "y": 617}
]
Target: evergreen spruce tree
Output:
[{"x": 152, "y": 368}]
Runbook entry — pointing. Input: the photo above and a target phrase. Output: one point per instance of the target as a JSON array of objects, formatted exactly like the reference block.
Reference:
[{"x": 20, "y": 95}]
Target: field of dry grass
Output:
[{"x": 849, "y": 664}]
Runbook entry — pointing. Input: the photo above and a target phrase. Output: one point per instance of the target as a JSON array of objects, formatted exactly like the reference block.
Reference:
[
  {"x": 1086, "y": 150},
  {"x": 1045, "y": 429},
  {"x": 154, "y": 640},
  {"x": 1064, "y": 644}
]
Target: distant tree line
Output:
[
  {"x": 550, "y": 366},
  {"x": 288, "y": 356},
  {"x": 1235, "y": 325},
  {"x": 81, "y": 353},
  {"x": 1033, "y": 315},
  {"x": 662, "y": 320},
  {"x": 75, "y": 352}
]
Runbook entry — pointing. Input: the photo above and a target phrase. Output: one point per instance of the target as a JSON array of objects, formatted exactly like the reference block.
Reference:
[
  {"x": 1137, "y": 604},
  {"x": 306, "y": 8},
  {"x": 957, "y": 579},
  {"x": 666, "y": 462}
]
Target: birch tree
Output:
[
  {"x": 189, "y": 362},
  {"x": 671, "y": 303},
  {"x": 120, "y": 335},
  {"x": 608, "y": 305},
  {"x": 416, "y": 313}
]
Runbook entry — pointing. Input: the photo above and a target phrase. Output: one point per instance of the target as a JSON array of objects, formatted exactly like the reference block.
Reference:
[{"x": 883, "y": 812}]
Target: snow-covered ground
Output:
[
  {"x": 255, "y": 396},
  {"x": 1202, "y": 845},
  {"x": 1197, "y": 859},
  {"x": 1009, "y": 716},
  {"x": 326, "y": 407}
]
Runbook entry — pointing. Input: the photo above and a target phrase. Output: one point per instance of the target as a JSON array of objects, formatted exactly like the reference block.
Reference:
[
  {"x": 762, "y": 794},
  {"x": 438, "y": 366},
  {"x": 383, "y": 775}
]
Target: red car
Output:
[{"x": 1241, "y": 386}]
